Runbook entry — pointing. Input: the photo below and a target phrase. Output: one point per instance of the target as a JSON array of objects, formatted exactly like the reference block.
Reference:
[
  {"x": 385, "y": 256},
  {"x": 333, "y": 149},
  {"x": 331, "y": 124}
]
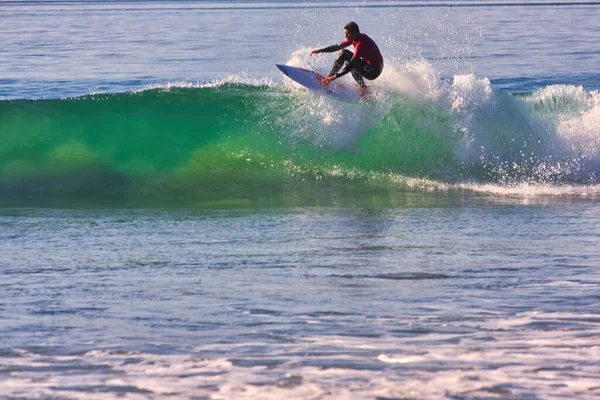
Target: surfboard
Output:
[{"x": 311, "y": 80}]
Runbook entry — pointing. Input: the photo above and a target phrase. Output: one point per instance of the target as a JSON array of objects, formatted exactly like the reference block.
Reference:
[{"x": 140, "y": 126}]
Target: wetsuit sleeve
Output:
[{"x": 335, "y": 47}]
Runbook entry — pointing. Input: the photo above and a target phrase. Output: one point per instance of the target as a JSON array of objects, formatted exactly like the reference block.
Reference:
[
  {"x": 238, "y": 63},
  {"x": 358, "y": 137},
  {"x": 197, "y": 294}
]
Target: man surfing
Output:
[{"x": 365, "y": 62}]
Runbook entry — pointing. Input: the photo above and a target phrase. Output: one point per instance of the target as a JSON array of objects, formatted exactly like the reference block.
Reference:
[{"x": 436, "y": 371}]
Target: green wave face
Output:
[{"x": 231, "y": 144}]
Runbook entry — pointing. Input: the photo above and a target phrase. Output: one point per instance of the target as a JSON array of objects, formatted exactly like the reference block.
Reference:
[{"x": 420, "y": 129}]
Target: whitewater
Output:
[{"x": 178, "y": 220}]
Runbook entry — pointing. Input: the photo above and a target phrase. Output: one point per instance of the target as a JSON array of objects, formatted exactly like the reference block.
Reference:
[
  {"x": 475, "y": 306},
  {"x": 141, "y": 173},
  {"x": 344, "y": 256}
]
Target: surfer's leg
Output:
[
  {"x": 364, "y": 71},
  {"x": 358, "y": 78},
  {"x": 358, "y": 73},
  {"x": 368, "y": 71},
  {"x": 344, "y": 57}
]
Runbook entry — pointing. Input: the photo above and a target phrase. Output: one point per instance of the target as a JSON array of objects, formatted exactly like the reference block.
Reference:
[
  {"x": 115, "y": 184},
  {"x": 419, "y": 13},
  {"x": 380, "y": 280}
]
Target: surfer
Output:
[{"x": 365, "y": 62}]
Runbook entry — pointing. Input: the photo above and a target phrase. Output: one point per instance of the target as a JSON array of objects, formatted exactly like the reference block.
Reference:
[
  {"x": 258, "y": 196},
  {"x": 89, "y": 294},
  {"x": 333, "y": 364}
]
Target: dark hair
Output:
[{"x": 352, "y": 27}]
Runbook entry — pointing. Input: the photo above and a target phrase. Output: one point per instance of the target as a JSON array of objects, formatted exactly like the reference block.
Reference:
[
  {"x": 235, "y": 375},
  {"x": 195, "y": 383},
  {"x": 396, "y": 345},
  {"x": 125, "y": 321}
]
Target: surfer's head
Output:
[{"x": 351, "y": 31}]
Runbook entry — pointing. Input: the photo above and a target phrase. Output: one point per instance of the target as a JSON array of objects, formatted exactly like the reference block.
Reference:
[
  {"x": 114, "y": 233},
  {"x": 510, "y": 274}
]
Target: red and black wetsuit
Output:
[{"x": 366, "y": 61}]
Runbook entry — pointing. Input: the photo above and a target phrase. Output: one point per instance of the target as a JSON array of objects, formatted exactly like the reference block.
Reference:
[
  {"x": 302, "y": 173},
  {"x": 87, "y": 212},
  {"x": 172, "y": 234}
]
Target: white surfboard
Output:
[{"x": 310, "y": 80}]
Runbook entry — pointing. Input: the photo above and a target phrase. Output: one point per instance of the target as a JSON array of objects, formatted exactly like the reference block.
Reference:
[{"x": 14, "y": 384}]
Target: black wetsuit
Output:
[{"x": 365, "y": 62}]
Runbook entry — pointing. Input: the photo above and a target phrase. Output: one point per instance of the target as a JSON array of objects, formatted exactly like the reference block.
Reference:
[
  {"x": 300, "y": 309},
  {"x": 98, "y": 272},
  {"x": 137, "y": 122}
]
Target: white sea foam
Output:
[
  {"x": 545, "y": 143},
  {"x": 507, "y": 356}
]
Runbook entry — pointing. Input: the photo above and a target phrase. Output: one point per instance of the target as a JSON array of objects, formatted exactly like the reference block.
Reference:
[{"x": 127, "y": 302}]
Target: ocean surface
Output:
[{"x": 179, "y": 220}]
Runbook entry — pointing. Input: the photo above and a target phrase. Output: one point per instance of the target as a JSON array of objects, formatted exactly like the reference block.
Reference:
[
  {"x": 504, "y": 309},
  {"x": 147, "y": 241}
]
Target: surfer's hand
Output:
[
  {"x": 314, "y": 52},
  {"x": 325, "y": 81}
]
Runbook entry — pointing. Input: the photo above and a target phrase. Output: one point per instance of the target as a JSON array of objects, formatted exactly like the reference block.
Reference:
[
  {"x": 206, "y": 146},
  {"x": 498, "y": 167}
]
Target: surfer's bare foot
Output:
[{"x": 320, "y": 78}]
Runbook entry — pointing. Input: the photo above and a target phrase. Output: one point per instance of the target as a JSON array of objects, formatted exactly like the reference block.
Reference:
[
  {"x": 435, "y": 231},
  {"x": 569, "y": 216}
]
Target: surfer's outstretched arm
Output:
[{"x": 331, "y": 49}]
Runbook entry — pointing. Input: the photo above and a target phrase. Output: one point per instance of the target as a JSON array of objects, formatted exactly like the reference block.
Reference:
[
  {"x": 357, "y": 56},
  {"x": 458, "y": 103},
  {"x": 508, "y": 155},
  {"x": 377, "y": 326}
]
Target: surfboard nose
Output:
[{"x": 282, "y": 68}]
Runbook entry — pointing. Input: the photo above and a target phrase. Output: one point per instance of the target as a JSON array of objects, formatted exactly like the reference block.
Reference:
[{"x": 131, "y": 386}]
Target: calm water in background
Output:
[
  {"x": 63, "y": 49},
  {"x": 458, "y": 294}
]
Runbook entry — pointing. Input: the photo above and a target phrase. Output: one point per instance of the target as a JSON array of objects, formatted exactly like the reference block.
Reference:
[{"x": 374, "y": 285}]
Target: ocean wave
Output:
[{"x": 239, "y": 137}]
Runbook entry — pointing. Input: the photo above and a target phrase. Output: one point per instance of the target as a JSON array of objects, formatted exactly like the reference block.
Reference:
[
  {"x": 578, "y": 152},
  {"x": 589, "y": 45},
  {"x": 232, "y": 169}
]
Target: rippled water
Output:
[{"x": 459, "y": 300}]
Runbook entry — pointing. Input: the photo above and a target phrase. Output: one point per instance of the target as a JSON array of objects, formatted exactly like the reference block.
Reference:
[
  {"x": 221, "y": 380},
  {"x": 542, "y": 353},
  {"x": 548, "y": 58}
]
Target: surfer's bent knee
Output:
[{"x": 346, "y": 54}]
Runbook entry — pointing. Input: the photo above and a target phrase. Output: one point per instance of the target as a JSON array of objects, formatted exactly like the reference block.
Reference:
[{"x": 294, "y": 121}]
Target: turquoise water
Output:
[{"x": 178, "y": 220}]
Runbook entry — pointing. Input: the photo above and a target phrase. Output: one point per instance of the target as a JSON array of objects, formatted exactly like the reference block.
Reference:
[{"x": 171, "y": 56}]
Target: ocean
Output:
[{"x": 179, "y": 220}]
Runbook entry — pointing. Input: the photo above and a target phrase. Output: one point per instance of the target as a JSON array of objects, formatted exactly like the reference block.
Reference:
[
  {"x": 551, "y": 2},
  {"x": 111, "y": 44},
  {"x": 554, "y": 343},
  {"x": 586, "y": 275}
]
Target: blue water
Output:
[
  {"x": 440, "y": 243},
  {"x": 56, "y": 49},
  {"x": 449, "y": 301}
]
